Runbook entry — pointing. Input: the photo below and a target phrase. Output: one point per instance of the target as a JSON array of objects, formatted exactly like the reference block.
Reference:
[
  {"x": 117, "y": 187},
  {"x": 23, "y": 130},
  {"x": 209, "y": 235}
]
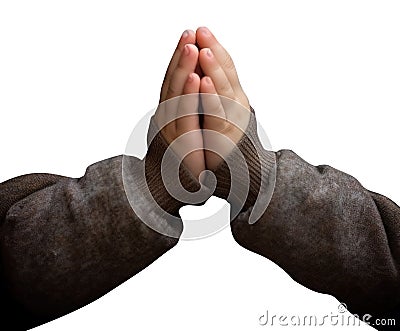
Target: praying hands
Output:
[{"x": 65, "y": 242}]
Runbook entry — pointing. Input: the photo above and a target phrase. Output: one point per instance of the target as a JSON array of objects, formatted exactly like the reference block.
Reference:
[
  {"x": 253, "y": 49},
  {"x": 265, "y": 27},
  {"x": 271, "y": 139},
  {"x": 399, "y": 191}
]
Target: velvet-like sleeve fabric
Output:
[
  {"x": 66, "y": 242},
  {"x": 330, "y": 234}
]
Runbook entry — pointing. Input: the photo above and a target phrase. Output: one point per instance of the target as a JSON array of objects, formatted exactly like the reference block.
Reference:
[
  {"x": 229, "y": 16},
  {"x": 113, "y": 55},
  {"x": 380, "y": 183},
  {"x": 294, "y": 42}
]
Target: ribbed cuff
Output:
[
  {"x": 250, "y": 165},
  {"x": 160, "y": 176}
]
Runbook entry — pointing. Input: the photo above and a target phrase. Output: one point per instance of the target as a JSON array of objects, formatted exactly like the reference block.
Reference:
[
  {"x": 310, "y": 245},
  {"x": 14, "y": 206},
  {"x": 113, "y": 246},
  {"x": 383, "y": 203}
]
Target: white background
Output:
[{"x": 323, "y": 77}]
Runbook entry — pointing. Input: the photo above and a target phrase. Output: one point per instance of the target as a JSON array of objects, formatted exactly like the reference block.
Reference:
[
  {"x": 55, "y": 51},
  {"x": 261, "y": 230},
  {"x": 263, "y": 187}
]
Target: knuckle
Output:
[
  {"x": 171, "y": 91},
  {"x": 228, "y": 62},
  {"x": 225, "y": 89}
]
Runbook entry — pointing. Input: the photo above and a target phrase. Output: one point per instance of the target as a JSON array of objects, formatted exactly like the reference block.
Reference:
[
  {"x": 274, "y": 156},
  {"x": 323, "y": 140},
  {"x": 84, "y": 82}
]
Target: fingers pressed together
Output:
[{"x": 200, "y": 64}]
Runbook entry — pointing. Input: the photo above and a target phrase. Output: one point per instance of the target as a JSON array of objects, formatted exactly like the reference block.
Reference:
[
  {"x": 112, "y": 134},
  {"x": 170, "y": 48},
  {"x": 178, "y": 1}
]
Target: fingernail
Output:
[
  {"x": 208, "y": 80},
  {"x": 190, "y": 78},
  {"x": 185, "y": 34},
  {"x": 205, "y": 31},
  {"x": 209, "y": 53},
  {"x": 187, "y": 49}
]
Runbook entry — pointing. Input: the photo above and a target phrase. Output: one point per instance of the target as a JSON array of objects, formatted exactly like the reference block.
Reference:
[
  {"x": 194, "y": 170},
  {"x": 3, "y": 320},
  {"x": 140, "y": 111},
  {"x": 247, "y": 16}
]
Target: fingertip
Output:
[
  {"x": 188, "y": 37},
  {"x": 202, "y": 52},
  {"x": 204, "y": 37},
  {"x": 207, "y": 85},
  {"x": 187, "y": 33},
  {"x": 204, "y": 30},
  {"x": 205, "y": 57},
  {"x": 192, "y": 84},
  {"x": 193, "y": 77},
  {"x": 190, "y": 49},
  {"x": 206, "y": 52},
  {"x": 208, "y": 81}
]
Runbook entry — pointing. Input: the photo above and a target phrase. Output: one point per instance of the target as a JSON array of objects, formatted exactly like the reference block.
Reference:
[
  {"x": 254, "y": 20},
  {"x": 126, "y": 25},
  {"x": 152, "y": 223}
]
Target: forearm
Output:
[
  {"x": 329, "y": 233},
  {"x": 69, "y": 243}
]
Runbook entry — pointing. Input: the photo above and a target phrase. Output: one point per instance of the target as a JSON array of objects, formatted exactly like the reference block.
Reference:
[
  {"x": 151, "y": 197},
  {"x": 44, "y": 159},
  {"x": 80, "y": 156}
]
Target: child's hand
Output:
[
  {"x": 228, "y": 118},
  {"x": 179, "y": 116}
]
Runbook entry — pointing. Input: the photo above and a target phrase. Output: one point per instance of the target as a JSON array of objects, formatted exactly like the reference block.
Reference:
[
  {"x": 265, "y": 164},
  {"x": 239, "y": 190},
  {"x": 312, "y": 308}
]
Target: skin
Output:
[
  {"x": 200, "y": 64},
  {"x": 181, "y": 79}
]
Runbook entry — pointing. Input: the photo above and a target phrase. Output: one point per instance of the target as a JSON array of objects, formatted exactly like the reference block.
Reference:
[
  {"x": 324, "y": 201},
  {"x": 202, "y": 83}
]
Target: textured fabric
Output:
[
  {"x": 70, "y": 243},
  {"x": 250, "y": 164},
  {"x": 330, "y": 234},
  {"x": 12, "y": 191},
  {"x": 20, "y": 187},
  {"x": 66, "y": 242},
  {"x": 157, "y": 149}
]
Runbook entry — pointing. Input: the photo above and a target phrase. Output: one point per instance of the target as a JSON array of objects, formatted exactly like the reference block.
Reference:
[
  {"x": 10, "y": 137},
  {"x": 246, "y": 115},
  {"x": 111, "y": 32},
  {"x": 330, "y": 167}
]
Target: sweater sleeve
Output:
[
  {"x": 69, "y": 241},
  {"x": 322, "y": 227}
]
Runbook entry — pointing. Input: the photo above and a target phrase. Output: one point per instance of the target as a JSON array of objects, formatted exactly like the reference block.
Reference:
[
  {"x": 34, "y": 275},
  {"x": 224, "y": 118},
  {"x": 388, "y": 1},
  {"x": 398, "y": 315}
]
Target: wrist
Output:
[
  {"x": 164, "y": 176},
  {"x": 249, "y": 167}
]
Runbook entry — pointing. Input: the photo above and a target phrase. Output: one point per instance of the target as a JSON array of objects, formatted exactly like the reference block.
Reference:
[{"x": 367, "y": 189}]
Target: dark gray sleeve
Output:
[
  {"x": 66, "y": 242},
  {"x": 330, "y": 234}
]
